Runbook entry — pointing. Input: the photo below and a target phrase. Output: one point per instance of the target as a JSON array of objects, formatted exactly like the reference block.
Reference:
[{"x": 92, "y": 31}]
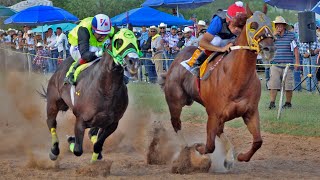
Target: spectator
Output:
[
  {"x": 157, "y": 51},
  {"x": 287, "y": 51},
  {"x": 146, "y": 54},
  {"x": 171, "y": 46},
  {"x": 149, "y": 66},
  {"x": 181, "y": 41},
  {"x": 38, "y": 38},
  {"x": 309, "y": 58},
  {"x": 190, "y": 40},
  {"x": 175, "y": 13},
  {"x": 51, "y": 41},
  {"x": 39, "y": 62},
  {"x": 144, "y": 36},
  {"x": 201, "y": 27},
  {"x": 61, "y": 43},
  {"x": 30, "y": 44}
]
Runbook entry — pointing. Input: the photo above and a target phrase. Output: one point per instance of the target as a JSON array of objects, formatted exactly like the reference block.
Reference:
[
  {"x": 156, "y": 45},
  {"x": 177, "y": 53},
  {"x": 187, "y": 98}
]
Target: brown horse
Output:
[
  {"x": 232, "y": 88},
  {"x": 100, "y": 97}
]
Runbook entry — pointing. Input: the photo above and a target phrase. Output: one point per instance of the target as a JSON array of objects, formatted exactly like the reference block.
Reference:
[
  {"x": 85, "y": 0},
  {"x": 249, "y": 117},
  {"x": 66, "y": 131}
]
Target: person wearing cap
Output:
[
  {"x": 309, "y": 53},
  {"x": 222, "y": 29},
  {"x": 287, "y": 53},
  {"x": 30, "y": 44},
  {"x": 157, "y": 52},
  {"x": 189, "y": 39},
  {"x": 39, "y": 61},
  {"x": 87, "y": 40},
  {"x": 170, "y": 45}
]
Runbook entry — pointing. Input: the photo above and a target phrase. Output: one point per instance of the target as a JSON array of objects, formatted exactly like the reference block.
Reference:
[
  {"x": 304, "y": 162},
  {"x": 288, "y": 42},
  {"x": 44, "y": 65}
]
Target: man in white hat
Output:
[
  {"x": 201, "y": 26},
  {"x": 189, "y": 39},
  {"x": 287, "y": 53}
]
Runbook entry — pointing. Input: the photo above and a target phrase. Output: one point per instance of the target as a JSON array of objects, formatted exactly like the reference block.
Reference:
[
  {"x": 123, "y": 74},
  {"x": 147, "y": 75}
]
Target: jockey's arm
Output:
[
  {"x": 205, "y": 43},
  {"x": 83, "y": 45}
]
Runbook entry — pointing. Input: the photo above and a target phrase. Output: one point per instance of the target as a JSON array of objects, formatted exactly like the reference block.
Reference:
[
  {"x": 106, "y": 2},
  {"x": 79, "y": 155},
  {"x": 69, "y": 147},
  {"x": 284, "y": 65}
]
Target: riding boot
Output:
[
  {"x": 196, "y": 66},
  {"x": 70, "y": 78}
]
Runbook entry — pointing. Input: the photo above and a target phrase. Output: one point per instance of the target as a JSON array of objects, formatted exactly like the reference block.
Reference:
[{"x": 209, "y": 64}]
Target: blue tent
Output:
[
  {"x": 147, "y": 16},
  {"x": 298, "y": 5},
  {"x": 40, "y": 15},
  {"x": 64, "y": 26},
  {"x": 184, "y": 4}
]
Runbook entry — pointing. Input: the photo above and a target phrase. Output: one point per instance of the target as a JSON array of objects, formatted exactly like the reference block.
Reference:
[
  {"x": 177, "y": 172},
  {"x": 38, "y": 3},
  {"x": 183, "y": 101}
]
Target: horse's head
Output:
[
  {"x": 259, "y": 33},
  {"x": 125, "y": 51}
]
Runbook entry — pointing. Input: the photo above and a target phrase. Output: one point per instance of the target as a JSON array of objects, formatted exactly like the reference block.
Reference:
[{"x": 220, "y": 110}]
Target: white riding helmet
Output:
[{"x": 101, "y": 24}]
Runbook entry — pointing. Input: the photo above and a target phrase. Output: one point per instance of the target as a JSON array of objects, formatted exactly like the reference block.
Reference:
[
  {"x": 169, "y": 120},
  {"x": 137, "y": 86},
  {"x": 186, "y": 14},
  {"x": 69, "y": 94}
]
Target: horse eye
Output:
[
  {"x": 254, "y": 25},
  {"x": 118, "y": 43}
]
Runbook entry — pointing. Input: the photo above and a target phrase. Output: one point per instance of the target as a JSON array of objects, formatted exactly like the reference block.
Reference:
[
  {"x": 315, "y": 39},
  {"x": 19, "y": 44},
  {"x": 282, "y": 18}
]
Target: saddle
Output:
[
  {"x": 203, "y": 67},
  {"x": 80, "y": 68}
]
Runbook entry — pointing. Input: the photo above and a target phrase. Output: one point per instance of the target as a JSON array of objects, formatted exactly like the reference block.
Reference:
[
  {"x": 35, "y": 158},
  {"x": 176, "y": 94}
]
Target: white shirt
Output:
[
  {"x": 30, "y": 41},
  {"x": 192, "y": 41},
  {"x": 59, "y": 44},
  {"x": 51, "y": 41}
]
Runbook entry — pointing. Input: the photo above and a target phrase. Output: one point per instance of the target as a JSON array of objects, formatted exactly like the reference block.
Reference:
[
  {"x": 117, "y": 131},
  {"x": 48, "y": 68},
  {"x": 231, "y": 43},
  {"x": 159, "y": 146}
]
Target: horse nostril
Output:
[{"x": 266, "y": 49}]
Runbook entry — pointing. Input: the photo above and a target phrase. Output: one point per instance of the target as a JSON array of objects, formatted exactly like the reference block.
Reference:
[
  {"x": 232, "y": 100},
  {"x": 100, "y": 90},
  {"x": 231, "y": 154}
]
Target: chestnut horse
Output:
[
  {"x": 100, "y": 96},
  {"x": 232, "y": 88}
]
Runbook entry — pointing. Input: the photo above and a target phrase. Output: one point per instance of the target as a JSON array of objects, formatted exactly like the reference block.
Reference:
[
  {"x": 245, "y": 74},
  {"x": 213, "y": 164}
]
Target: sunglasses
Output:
[
  {"x": 162, "y": 28},
  {"x": 152, "y": 31}
]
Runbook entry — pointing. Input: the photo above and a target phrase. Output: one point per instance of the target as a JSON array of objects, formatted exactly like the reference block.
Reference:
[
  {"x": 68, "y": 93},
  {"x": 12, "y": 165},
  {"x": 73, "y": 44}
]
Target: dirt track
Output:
[{"x": 25, "y": 143}]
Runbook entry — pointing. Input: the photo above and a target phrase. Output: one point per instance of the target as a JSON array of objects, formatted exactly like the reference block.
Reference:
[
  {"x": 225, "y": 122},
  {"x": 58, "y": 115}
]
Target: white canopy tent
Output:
[{"x": 29, "y": 3}]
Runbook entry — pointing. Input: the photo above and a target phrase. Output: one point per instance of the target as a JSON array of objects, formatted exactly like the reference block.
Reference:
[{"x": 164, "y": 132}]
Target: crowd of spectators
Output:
[
  {"x": 161, "y": 44},
  {"x": 44, "y": 50}
]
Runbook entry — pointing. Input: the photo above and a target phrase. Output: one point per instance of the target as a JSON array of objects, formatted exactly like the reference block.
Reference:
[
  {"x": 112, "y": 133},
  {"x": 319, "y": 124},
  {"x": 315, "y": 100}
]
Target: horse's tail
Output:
[
  {"x": 162, "y": 80},
  {"x": 42, "y": 94}
]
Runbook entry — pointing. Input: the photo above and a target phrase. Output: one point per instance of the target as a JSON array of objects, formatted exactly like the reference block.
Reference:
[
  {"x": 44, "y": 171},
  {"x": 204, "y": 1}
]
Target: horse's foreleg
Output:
[
  {"x": 79, "y": 129},
  {"x": 103, "y": 134},
  {"x": 52, "y": 111},
  {"x": 212, "y": 130},
  {"x": 253, "y": 124},
  {"x": 175, "y": 112}
]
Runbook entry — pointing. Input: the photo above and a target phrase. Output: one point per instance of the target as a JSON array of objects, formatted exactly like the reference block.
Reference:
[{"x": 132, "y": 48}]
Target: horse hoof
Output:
[
  {"x": 242, "y": 157},
  {"x": 100, "y": 156},
  {"x": 71, "y": 139},
  {"x": 228, "y": 164},
  {"x": 52, "y": 156},
  {"x": 77, "y": 153}
]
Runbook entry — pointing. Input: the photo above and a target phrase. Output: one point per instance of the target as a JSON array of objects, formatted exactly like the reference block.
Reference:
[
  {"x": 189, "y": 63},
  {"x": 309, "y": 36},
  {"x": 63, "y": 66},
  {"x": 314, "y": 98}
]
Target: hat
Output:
[
  {"x": 201, "y": 23},
  {"x": 29, "y": 32},
  {"x": 162, "y": 25},
  {"x": 186, "y": 30},
  {"x": 174, "y": 27},
  {"x": 39, "y": 44},
  {"x": 152, "y": 27},
  {"x": 280, "y": 20},
  {"x": 38, "y": 34},
  {"x": 235, "y": 8}
]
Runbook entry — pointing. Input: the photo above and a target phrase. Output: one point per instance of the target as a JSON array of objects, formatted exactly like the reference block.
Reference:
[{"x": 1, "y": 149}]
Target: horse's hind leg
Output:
[
  {"x": 103, "y": 134},
  {"x": 79, "y": 129},
  {"x": 253, "y": 124}
]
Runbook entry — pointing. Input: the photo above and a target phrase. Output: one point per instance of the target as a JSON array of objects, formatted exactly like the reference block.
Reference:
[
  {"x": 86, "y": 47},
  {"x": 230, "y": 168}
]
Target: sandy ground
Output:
[{"x": 25, "y": 144}]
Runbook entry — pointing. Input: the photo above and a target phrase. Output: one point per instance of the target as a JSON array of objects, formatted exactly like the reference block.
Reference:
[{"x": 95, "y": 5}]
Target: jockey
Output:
[
  {"x": 220, "y": 32},
  {"x": 87, "y": 40}
]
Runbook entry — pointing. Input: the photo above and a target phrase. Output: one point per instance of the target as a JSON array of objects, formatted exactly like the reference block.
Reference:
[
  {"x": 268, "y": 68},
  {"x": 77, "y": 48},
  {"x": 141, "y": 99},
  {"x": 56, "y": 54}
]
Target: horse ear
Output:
[
  {"x": 265, "y": 8},
  {"x": 249, "y": 12}
]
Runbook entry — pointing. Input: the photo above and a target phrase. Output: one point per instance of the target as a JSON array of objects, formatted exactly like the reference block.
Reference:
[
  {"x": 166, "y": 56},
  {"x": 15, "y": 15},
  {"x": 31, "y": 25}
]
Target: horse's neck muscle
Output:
[
  {"x": 244, "y": 60},
  {"x": 110, "y": 79}
]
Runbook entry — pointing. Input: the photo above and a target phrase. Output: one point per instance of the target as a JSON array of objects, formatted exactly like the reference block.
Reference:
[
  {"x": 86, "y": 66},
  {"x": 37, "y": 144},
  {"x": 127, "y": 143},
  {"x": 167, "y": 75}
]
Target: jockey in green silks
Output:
[{"x": 87, "y": 40}]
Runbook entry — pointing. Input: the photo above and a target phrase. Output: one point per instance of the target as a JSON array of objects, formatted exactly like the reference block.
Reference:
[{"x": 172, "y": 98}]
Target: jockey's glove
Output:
[{"x": 99, "y": 53}]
